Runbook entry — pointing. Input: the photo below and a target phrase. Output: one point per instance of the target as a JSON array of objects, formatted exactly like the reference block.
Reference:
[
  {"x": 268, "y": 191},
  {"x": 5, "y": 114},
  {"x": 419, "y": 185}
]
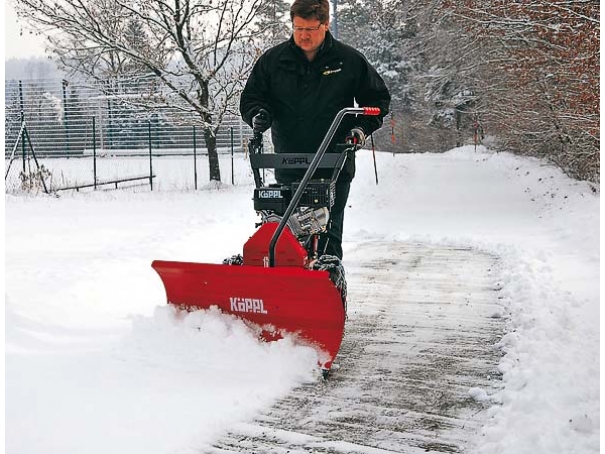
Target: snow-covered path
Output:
[{"x": 96, "y": 363}]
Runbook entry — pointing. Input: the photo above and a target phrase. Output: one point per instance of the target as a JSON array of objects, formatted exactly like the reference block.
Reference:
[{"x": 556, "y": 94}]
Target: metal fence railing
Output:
[
  {"x": 70, "y": 118},
  {"x": 80, "y": 124}
]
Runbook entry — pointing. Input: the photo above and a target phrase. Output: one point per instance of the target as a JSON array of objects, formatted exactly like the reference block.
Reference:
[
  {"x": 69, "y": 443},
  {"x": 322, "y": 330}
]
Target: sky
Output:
[
  {"x": 17, "y": 45},
  {"x": 96, "y": 362}
]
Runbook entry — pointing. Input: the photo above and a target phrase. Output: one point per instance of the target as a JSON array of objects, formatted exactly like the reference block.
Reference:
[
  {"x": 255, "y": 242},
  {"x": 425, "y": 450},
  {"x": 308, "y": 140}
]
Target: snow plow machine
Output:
[{"x": 280, "y": 284}]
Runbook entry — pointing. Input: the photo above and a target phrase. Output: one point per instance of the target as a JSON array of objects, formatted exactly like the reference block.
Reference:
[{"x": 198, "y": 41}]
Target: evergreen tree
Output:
[{"x": 273, "y": 23}]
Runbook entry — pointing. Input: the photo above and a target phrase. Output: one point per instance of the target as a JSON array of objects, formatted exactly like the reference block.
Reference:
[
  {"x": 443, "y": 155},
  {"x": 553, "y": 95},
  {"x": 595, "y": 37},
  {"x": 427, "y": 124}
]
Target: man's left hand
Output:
[{"x": 357, "y": 136}]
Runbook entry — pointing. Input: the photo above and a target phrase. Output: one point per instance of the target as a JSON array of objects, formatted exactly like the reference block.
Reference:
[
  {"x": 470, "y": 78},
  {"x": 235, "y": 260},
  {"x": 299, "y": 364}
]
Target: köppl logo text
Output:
[{"x": 250, "y": 305}]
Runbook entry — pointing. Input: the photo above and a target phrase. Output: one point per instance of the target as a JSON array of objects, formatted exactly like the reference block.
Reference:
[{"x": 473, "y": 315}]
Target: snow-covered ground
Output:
[{"x": 95, "y": 362}]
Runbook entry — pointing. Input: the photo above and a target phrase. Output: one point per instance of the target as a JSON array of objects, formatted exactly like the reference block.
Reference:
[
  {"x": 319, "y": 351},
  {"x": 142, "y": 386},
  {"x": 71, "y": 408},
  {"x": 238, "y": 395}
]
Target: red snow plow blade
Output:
[{"x": 277, "y": 300}]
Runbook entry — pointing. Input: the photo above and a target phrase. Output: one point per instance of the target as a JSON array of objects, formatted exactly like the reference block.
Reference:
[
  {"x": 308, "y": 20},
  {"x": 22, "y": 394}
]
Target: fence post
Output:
[
  {"x": 22, "y": 122},
  {"x": 94, "y": 150},
  {"x": 64, "y": 84},
  {"x": 150, "y": 158},
  {"x": 158, "y": 139},
  {"x": 194, "y": 159},
  {"x": 232, "y": 171},
  {"x": 109, "y": 125}
]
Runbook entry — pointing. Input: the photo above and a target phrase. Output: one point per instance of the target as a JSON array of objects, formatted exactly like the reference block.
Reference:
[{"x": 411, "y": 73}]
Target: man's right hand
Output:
[{"x": 261, "y": 121}]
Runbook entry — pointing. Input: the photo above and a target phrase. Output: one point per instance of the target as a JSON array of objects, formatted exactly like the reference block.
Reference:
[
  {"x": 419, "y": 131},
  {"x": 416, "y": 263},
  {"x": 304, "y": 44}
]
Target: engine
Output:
[{"x": 312, "y": 215}]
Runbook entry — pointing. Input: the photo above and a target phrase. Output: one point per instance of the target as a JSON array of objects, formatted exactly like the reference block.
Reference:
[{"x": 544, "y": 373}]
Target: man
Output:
[{"x": 297, "y": 87}]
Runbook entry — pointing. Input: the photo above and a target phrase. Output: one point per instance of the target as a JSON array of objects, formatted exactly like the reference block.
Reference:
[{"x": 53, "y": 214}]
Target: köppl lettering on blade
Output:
[{"x": 250, "y": 305}]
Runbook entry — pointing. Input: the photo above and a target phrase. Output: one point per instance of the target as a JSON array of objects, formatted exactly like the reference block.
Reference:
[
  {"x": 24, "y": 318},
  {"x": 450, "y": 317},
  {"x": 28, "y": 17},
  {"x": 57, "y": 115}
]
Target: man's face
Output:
[{"x": 309, "y": 34}]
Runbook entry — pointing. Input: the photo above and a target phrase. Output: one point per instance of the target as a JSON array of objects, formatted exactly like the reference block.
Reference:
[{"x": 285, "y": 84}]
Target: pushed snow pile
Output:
[
  {"x": 174, "y": 381},
  {"x": 208, "y": 343},
  {"x": 550, "y": 368}
]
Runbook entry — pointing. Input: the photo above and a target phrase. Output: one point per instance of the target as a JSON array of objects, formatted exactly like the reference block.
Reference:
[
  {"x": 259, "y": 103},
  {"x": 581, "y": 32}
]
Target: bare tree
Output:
[
  {"x": 537, "y": 69},
  {"x": 200, "y": 50},
  {"x": 525, "y": 72}
]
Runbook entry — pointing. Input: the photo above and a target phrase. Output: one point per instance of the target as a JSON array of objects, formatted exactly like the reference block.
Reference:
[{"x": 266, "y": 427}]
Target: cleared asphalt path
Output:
[{"x": 423, "y": 321}]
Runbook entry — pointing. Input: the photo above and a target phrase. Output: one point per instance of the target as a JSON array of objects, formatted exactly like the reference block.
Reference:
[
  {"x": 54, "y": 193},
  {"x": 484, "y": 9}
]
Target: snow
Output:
[{"x": 96, "y": 362}]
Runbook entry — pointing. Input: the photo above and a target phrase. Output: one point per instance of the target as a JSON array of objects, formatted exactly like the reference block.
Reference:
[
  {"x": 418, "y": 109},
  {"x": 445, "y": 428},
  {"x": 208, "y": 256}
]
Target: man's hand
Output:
[
  {"x": 357, "y": 137},
  {"x": 261, "y": 121}
]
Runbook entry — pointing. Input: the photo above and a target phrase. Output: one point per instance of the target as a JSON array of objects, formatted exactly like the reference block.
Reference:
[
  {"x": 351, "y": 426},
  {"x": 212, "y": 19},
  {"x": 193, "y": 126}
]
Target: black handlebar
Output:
[{"x": 311, "y": 170}]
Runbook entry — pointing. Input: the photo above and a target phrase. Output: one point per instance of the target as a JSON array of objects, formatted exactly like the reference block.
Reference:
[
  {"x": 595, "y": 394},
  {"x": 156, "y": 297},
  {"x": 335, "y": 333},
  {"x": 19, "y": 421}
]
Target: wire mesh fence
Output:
[{"x": 73, "y": 134}]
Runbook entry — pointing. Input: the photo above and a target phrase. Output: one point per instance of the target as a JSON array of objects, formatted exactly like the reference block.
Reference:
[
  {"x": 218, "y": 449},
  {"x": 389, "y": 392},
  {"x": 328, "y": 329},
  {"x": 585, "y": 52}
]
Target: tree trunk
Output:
[
  {"x": 459, "y": 138},
  {"x": 213, "y": 162}
]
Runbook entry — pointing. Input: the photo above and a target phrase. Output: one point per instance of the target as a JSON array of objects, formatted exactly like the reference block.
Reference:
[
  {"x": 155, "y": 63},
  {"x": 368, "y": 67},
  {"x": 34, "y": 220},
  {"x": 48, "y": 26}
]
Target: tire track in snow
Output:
[{"x": 422, "y": 324}]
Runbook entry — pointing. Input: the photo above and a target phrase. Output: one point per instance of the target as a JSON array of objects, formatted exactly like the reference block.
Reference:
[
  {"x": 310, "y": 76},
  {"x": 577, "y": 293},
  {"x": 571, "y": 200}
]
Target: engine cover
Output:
[{"x": 288, "y": 250}]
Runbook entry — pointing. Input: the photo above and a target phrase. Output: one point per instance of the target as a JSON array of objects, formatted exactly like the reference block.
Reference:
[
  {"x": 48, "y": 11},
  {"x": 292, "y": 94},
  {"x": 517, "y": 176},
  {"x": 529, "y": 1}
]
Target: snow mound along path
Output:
[{"x": 419, "y": 347}]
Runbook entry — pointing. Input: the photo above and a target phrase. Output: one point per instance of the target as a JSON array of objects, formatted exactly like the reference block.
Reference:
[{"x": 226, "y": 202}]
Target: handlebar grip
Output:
[{"x": 373, "y": 111}]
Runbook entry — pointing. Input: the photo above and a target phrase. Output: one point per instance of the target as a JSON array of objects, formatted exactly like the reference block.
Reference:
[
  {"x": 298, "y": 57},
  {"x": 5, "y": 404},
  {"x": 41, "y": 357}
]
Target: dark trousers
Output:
[{"x": 332, "y": 241}]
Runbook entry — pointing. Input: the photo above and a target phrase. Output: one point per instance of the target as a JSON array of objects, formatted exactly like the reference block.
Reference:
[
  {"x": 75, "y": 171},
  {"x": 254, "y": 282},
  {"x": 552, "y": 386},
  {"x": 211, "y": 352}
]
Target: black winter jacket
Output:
[{"x": 304, "y": 97}]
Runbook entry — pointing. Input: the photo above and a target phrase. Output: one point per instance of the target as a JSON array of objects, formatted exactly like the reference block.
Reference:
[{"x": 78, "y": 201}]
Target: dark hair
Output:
[{"x": 311, "y": 9}]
